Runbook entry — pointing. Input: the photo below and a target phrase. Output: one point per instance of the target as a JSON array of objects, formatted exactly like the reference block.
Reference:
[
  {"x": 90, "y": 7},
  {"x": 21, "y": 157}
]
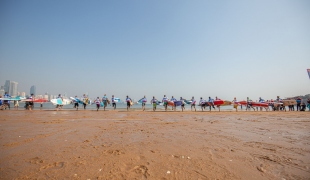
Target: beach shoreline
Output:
[{"x": 84, "y": 144}]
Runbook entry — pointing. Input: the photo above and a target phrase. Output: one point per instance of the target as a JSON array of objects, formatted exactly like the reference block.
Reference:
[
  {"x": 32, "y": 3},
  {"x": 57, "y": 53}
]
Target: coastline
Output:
[{"x": 69, "y": 144}]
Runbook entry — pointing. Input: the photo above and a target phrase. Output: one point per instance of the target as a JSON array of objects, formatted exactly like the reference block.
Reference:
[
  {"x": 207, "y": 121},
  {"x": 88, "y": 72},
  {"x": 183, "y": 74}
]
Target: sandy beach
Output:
[{"x": 87, "y": 144}]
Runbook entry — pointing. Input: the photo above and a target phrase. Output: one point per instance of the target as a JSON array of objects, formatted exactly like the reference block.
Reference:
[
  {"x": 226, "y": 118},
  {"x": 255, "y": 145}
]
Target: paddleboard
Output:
[
  {"x": 60, "y": 101},
  {"x": 35, "y": 100},
  {"x": 289, "y": 102},
  {"x": 76, "y": 100},
  {"x": 258, "y": 104},
  {"x": 178, "y": 103},
  {"x": 10, "y": 99},
  {"x": 170, "y": 103}
]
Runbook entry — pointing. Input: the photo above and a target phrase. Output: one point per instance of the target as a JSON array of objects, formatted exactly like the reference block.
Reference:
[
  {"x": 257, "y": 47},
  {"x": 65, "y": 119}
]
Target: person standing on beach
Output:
[
  {"x": 165, "y": 101},
  {"x": 183, "y": 104},
  {"x": 298, "y": 101},
  {"x": 105, "y": 101},
  {"x": 144, "y": 100},
  {"x": 211, "y": 103},
  {"x": 97, "y": 102},
  {"x": 235, "y": 103},
  {"x": 59, "y": 106},
  {"x": 308, "y": 105},
  {"x": 6, "y": 102},
  {"x": 154, "y": 102},
  {"x": 193, "y": 103},
  {"x": 76, "y": 103},
  {"x": 30, "y": 104},
  {"x": 113, "y": 102},
  {"x": 202, "y": 103},
  {"x": 249, "y": 104},
  {"x": 128, "y": 100},
  {"x": 174, "y": 100},
  {"x": 16, "y": 104},
  {"x": 85, "y": 101},
  {"x": 281, "y": 106}
]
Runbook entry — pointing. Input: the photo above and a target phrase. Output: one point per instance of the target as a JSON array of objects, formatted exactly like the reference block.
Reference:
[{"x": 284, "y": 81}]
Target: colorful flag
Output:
[{"x": 308, "y": 72}]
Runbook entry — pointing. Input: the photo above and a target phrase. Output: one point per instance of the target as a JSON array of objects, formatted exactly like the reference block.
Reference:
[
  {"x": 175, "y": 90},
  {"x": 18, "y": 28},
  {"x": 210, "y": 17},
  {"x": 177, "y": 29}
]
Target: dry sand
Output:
[{"x": 154, "y": 145}]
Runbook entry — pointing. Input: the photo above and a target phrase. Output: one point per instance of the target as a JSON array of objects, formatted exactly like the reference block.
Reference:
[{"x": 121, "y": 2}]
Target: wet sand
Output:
[{"x": 154, "y": 145}]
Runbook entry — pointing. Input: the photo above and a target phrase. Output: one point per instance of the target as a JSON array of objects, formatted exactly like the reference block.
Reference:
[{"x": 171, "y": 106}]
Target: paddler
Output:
[
  {"x": 128, "y": 100},
  {"x": 85, "y": 101},
  {"x": 144, "y": 100},
  {"x": 211, "y": 103},
  {"x": 58, "y": 106},
  {"x": 30, "y": 104},
  {"x": 173, "y": 100},
  {"x": 279, "y": 100},
  {"x": 105, "y": 101},
  {"x": 183, "y": 103},
  {"x": 235, "y": 103},
  {"x": 76, "y": 103},
  {"x": 261, "y": 100},
  {"x": 249, "y": 104},
  {"x": 113, "y": 102},
  {"x": 154, "y": 102},
  {"x": 165, "y": 101},
  {"x": 97, "y": 101},
  {"x": 202, "y": 103},
  {"x": 6, "y": 102},
  {"x": 193, "y": 103}
]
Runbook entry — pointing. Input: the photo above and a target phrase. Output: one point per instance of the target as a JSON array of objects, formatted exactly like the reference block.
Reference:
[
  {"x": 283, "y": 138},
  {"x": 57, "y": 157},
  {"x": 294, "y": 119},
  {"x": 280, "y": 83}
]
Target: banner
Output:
[{"x": 308, "y": 72}]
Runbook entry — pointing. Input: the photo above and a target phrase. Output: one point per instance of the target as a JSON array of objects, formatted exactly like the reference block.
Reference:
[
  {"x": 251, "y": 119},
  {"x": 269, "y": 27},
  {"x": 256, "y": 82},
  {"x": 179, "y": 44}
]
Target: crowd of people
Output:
[{"x": 104, "y": 101}]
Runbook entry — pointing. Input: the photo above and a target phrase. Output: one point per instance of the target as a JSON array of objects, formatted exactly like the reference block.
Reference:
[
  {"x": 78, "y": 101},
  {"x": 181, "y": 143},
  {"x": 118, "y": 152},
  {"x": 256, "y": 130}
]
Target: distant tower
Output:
[
  {"x": 33, "y": 90},
  {"x": 2, "y": 91},
  {"x": 11, "y": 87}
]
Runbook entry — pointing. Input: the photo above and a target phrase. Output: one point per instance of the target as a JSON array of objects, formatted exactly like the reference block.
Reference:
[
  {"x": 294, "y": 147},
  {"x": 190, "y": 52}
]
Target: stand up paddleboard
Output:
[{"x": 61, "y": 101}]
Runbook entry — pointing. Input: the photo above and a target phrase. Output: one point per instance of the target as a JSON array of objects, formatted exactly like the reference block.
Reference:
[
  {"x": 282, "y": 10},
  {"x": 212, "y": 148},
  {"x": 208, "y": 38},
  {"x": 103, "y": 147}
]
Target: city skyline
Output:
[{"x": 228, "y": 49}]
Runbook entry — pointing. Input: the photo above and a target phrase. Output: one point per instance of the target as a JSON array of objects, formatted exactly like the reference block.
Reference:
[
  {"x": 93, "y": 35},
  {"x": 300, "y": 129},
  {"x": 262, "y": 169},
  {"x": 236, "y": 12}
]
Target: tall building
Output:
[
  {"x": 11, "y": 87},
  {"x": 33, "y": 90},
  {"x": 2, "y": 91}
]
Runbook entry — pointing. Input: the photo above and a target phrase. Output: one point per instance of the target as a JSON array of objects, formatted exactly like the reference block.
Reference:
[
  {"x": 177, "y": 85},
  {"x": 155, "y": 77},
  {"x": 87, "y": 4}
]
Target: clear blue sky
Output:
[{"x": 181, "y": 48}]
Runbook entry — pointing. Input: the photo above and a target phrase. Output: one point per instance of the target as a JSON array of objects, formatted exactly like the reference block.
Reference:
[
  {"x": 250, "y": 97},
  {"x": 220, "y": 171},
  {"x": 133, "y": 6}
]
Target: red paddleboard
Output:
[
  {"x": 36, "y": 100},
  {"x": 258, "y": 104},
  {"x": 218, "y": 102},
  {"x": 242, "y": 102},
  {"x": 170, "y": 103}
]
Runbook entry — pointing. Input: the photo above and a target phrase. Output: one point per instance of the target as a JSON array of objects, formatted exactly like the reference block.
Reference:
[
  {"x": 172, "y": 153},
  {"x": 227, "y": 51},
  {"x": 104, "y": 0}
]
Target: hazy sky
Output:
[{"x": 182, "y": 48}]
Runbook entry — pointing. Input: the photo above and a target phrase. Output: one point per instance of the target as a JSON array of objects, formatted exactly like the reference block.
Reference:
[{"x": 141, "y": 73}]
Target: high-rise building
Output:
[
  {"x": 2, "y": 91},
  {"x": 11, "y": 87},
  {"x": 33, "y": 90}
]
